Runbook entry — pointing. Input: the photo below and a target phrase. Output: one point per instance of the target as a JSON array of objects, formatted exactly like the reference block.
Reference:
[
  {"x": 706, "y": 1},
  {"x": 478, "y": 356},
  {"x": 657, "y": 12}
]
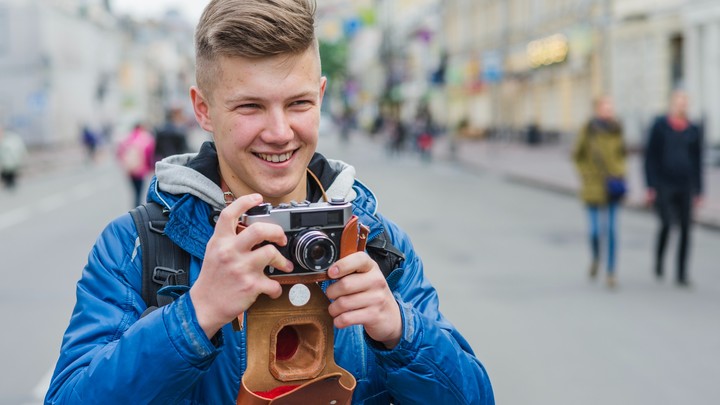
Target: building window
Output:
[{"x": 677, "y": 72}]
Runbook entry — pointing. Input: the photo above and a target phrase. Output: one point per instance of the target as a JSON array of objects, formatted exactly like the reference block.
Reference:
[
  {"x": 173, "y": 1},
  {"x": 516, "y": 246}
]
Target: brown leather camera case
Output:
[
  {"x": 311, "y": 365},
  {"x": 290, "y": 344}
]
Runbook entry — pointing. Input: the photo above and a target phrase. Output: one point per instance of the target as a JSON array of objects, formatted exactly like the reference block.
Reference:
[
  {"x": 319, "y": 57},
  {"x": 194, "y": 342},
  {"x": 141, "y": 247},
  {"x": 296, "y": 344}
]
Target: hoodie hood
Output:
[{"x": 174, "y": 176}]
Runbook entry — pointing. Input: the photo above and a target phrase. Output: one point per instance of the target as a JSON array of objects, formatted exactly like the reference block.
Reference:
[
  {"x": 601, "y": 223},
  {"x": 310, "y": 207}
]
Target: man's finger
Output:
[
  {"x": 229, "y": 217},
  {"x": 271, "y": 288},
  {"x": 353, "y": 302},
  {"x": 260, "y": 232},
  {"x": 358, "y": 262},
  {"x": 270, "y": 256},
  {"x": 355, "y": 283}
]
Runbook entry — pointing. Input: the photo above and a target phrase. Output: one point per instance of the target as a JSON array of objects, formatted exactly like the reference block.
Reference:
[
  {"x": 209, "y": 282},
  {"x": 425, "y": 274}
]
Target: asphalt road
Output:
[{"x": 508, "y": 261}]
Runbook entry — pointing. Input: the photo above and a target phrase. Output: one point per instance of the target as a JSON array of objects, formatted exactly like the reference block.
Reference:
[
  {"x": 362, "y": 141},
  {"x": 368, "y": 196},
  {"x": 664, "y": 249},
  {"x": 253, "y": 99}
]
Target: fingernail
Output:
[
  {"x": 334, "y": 271},
  {"x": 256, "y": 197}
]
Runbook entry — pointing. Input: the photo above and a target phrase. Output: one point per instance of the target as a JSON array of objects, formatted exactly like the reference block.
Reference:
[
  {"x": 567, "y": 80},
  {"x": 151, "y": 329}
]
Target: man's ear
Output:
[
  {"x": 323, "y": 85},
  {"x": 201, "y": 108}
]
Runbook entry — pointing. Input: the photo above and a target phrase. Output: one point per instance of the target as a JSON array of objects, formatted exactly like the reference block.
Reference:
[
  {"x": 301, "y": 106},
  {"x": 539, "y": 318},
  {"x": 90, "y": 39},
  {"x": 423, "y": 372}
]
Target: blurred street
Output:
[
  {"x": 492, "y": 93},
  {"x": 509, "y": 262}
]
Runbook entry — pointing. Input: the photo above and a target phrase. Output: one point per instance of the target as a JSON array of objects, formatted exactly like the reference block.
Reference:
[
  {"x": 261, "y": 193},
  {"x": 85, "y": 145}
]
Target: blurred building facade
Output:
[
  {"x": 701, "y": 19},
  {"x": 648, "y": 63},
  {"x": 57, "y": 60},
  {"x": 393, "y": 49},
  {"x": 512, "y": 63},
  {"x": 69, "y": 63},
  {"x": 519, "y": 62}
]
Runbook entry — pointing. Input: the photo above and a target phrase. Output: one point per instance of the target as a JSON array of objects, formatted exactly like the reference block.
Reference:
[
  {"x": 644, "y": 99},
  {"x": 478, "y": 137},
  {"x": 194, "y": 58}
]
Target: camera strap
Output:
[{"x": 230, "y": 197}]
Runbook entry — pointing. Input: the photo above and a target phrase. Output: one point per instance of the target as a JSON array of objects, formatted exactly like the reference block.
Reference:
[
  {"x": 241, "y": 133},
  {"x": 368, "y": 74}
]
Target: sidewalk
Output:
[{"x": 551, "y": 167}]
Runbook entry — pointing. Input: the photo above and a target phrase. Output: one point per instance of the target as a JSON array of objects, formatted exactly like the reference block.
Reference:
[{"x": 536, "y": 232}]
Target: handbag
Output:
[{"x": 615, "y": 187}]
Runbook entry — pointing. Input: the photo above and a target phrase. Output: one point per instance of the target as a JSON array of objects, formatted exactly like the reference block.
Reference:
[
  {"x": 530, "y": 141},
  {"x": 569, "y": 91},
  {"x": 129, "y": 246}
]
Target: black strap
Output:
[
  {"x": 387, "y": 256},
  {"x": 164, "y": 264}
]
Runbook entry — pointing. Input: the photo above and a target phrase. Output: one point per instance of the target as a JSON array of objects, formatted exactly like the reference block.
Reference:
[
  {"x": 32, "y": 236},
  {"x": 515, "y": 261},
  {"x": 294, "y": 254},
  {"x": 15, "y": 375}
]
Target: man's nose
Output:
[{"x": 277, "y": 127}]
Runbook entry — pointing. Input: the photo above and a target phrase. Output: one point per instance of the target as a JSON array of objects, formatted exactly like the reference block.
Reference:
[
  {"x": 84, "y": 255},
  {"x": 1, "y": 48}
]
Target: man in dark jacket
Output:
[
  {"x": 171, "y": 138},
  {"x": 259, "y": 91},
  {"x": 673, "y": 172}
]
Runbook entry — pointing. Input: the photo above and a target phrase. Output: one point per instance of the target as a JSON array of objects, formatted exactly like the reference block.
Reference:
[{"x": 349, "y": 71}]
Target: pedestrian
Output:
[
  {"x": 599, "y": 156},
  {"x": 90, "y": 141},
  {"x": 136, "y": 155},
  {"x": 424, "y": 130},
  {"x": 424, "y": 145},
  {"x": 398, "y": 133},
  {"x": 674, "y": 178},
  {"x": 171, "y": 137},
  {"x": 259, "y": 92},
  {"x": 347, "y": 123},
  {"x": 12, "y": 156}
]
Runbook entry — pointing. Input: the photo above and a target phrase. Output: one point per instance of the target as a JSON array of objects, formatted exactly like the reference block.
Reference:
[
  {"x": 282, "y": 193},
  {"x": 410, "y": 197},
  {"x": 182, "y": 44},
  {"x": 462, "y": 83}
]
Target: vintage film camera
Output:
[
  {"x": 318, "y": 233},
  {"x": 290, "y": 339}
]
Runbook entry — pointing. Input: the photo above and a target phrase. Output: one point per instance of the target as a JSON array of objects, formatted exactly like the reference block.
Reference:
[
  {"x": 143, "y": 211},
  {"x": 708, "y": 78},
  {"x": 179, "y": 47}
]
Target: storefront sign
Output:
[{"x": 548, "y": 51}]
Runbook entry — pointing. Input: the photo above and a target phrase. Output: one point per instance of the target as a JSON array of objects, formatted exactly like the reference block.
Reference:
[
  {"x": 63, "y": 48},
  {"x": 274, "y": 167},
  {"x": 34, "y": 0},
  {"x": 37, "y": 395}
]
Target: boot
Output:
[
  {"x": 594, "y": 269},
  {"x": 611, "y": 280}
]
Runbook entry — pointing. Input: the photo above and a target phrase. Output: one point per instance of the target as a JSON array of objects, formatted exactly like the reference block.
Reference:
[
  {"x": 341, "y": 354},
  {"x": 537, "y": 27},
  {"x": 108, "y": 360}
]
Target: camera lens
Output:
[{"x": 314, "y": 251}]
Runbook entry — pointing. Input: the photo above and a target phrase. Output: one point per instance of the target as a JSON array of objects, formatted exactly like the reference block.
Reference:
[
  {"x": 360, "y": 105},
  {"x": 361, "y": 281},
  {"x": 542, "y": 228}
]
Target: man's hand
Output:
[
  {"x": 650, "y": 196},
  {"x": 697, "y": 201},
  {"x": 362, "y": 297},
  {"x": 232, "y": 275}
]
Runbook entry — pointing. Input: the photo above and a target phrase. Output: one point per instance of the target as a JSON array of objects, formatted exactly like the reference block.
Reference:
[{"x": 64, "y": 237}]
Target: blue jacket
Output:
[{"x": 110, "y": 355}]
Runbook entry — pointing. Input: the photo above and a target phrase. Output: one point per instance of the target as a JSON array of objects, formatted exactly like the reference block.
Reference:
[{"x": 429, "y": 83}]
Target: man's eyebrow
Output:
[
  {"x": 251, "y": 98},
  {"x": 303, "y": 94}
]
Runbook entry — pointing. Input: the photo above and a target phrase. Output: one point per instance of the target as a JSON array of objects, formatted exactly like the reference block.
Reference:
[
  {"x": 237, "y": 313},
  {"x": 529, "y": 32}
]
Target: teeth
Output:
[{"x": 275, "y": 158}]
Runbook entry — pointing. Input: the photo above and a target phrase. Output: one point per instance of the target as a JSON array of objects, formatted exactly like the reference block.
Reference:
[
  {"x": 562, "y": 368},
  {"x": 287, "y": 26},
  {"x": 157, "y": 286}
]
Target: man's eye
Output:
[
  {"x": 249, "y": 106},
  {"x": 301, "y": 102}
]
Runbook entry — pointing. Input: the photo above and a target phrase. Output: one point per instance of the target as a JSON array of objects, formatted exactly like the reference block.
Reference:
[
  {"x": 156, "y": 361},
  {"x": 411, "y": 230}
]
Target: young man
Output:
[
  {"x": 259, "y": 91},
  {"x": 673, "y": 172}
]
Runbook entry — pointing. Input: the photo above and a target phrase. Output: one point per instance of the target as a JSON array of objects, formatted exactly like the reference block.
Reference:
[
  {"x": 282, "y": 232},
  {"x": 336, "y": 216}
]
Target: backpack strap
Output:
[
  {"x": 165, "y": 266},
  {"x": 387, "y": 256}
]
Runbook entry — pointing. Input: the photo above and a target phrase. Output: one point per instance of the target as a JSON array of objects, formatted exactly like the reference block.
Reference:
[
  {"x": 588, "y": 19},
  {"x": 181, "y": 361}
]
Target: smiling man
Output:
[{"x": 259, "y": 92}]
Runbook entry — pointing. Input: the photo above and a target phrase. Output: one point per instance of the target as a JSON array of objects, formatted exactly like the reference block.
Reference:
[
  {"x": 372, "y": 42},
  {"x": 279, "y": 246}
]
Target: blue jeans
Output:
[{"x": 602, "y": 221}]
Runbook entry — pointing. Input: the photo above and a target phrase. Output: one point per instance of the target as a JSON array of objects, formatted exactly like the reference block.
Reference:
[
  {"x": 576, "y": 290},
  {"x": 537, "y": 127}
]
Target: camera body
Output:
[{"x": 314, "y": 232}]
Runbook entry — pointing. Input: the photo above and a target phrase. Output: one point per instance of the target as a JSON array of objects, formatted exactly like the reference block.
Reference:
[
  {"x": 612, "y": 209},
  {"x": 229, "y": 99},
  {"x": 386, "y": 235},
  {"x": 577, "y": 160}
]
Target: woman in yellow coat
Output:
[{"x": 599, "y": 156}]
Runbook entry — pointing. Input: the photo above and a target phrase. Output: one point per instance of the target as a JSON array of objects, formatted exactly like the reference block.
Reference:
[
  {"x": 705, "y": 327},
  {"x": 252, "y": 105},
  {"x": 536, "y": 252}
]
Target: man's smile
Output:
[{"x": 275, "y": 157}]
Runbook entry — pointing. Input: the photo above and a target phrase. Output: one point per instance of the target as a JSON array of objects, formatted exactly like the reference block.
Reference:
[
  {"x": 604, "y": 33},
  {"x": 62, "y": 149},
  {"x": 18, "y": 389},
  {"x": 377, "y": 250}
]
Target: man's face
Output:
[
  {"x": 264, "y": 115},
  {"x": 679, "y": 104}
]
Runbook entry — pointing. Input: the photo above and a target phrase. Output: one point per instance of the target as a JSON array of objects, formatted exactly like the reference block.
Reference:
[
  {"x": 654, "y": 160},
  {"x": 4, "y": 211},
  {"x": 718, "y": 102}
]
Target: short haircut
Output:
[{"x": 250, "y": 29}]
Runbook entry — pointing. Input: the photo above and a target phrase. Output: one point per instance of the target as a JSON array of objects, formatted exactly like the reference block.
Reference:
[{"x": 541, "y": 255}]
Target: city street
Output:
[{"x": 509, "y": 262}]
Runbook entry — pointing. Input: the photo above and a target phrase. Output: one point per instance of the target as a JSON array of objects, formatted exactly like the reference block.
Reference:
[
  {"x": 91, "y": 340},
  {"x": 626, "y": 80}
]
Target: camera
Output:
[{"x": 314, "y": 232}]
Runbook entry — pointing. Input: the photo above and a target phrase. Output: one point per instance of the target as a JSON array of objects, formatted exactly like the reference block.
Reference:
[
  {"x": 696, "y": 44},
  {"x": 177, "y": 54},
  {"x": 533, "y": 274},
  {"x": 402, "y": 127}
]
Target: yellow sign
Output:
[{"x": 547, "y": 51}]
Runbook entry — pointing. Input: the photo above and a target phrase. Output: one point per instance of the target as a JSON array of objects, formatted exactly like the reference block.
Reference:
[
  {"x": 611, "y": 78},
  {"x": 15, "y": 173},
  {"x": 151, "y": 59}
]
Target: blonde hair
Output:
[{"x": 250, "y": 29}]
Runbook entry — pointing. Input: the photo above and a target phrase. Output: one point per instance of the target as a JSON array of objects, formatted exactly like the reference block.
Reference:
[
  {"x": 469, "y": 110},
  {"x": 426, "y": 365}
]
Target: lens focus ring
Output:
[{"x": 314, "y": 250}]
